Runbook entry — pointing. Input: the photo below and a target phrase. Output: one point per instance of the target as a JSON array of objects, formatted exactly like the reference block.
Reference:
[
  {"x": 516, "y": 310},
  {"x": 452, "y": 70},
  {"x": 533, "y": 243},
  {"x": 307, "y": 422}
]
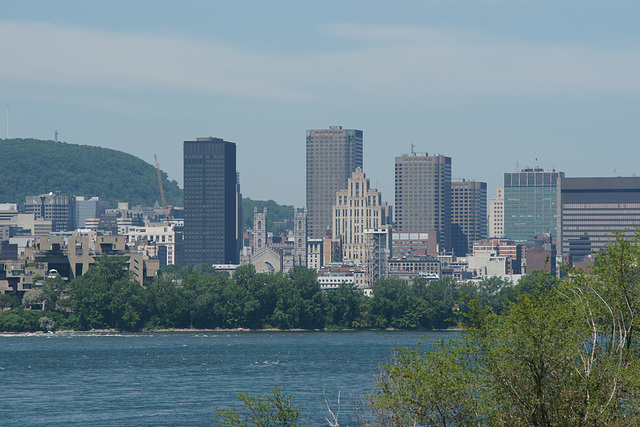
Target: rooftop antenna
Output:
[
  {"x": 412, "y": 147},
  {"x": 55, "y": 135}
]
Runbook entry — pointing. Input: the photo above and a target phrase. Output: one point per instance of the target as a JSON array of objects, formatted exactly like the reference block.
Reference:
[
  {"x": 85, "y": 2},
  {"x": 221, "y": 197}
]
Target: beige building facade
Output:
[
  {"x": 356, "y": 209},
  {"x": 496, "y": 214}
]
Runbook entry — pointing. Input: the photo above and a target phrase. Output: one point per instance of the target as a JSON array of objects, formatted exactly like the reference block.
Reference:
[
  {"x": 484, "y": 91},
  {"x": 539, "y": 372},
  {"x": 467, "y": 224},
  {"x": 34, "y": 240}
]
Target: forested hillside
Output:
[
  {"x": 279, "y": 217},
  {"x": 33, "y": 167}
]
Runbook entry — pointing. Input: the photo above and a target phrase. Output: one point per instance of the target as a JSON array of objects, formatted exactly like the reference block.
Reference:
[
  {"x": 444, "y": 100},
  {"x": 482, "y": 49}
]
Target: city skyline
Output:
[{"x": 495, "y": 85}]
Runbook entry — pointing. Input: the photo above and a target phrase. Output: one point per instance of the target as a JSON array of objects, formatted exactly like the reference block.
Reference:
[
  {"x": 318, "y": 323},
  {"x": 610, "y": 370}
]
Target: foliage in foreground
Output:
[
  {"x": 563, "y": 354},
  {"x": 261, "y": 410}
]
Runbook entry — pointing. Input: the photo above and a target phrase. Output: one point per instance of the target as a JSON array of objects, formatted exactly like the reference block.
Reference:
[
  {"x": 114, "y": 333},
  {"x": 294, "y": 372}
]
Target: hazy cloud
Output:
[{"x": 385, "y": 61}]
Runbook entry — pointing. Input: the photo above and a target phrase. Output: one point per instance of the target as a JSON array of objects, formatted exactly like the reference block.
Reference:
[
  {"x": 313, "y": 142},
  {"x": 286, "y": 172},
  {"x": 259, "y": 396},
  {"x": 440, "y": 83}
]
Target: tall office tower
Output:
[
  {"x": 496, "y": 214},
  {"x": 212, "y": 202},
  {"x": 469, "y": 214},
  {"x": 530, "y": 203},
  {"x": 590, "y": 210},
  {"x": 423, "y": 195},
  {"x": 358, "y": 208},
  {"x": 59, "y": 209},
  {"x": 332, "y": 155}
]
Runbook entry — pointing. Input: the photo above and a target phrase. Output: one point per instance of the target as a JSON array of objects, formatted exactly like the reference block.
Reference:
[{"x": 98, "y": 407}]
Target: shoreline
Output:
[{"x": 116, "y": 331}]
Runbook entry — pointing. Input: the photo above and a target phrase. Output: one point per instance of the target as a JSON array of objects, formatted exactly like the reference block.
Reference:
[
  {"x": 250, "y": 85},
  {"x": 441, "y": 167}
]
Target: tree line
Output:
[{"x": 107, "y": 297}]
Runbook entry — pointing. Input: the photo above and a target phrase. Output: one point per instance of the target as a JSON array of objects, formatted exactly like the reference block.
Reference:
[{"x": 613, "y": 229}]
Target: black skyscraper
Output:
[{"x": 212, "y": 202}]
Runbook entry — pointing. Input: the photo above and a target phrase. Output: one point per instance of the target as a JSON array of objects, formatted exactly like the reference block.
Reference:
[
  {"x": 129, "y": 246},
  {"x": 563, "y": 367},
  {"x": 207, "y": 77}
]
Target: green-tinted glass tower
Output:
[{"x": 530, "y": 203}]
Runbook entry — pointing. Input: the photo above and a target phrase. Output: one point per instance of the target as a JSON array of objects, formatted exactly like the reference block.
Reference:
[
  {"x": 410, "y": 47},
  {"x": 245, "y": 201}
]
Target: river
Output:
[{"x": 179, "y": 378}]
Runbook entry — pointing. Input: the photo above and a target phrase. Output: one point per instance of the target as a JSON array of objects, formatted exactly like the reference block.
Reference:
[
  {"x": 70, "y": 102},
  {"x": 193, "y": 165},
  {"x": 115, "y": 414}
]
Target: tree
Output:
[
  {"x": 53, "y": 291},
  {"x": 493, "y": 292},
  {"x": 107, "y": 297},
  {"x": 424, "y": 388},
  {"x": 167, "y": 304},
  {"x": 8, "y": 301},
  {"x": 440, "y": 298},
  {"x": 47, "y": 324},
  {"x": 345, "y": 306},
  {"x": 32, "y": 297},
  {"x": 261, "y": 411}
]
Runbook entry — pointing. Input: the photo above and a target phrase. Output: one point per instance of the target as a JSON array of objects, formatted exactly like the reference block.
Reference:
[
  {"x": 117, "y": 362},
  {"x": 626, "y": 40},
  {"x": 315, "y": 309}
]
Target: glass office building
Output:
[
  {"x": 530, "y": 204},
  {"x": 332, "y": 156},
  {"x": 212, "y": 202}
]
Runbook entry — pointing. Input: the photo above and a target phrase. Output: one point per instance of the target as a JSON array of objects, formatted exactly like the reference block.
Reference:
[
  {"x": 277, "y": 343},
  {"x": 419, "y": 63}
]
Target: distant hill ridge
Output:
[{"x": 31, "y": 167}]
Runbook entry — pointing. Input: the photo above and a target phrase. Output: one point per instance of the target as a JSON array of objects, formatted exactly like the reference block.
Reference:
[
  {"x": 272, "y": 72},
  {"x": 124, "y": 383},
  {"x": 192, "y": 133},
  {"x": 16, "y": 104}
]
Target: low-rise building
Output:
[
  {"x": 156, "y": 242},
  {"x": 410, "y": 268}
]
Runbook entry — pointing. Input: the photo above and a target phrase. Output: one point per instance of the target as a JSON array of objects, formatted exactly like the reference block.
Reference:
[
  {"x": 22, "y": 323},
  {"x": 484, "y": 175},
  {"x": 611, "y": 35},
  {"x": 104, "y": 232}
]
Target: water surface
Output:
[{"x": 178, "y": 378}]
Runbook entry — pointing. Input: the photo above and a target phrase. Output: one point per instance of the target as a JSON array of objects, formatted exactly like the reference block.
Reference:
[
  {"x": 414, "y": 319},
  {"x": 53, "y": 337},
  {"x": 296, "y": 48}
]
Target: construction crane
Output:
[{"x": 164, "y": 202}]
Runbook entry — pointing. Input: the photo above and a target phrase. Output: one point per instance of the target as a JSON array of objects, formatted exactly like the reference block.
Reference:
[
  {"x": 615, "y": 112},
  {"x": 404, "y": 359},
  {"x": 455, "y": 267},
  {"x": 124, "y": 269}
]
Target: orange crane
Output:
[{"x": 164, "y": 203}]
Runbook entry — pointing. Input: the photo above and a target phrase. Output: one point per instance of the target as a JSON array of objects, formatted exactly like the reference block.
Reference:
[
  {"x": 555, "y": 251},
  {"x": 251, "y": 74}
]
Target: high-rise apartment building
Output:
[
  {"x": 423, "y": 195},
  {"x": 530, "y": 203},
  {"x": 332, "y": 156},
  {"x": 357, "y": 209},
  {"x": 591, "y": 210},
  {"x": 469, "y": 214},
  {"x": 496, "y": 214},
  {"x": 212, "y": 202}
]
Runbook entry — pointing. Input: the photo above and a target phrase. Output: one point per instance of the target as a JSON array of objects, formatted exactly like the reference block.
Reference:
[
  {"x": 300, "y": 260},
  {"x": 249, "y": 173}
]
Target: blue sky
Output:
[{"x": 494, "y": 84}]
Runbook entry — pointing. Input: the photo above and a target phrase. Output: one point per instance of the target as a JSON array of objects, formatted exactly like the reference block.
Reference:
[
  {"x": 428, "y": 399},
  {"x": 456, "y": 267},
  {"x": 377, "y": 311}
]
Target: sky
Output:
[{"x": 494, "y": 84}]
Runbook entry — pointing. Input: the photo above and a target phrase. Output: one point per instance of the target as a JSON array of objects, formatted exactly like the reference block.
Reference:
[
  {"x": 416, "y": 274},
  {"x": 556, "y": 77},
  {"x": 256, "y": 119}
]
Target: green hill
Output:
[
  {"x": 279, "y": 217},
  {"x": 31, "y": 167}
]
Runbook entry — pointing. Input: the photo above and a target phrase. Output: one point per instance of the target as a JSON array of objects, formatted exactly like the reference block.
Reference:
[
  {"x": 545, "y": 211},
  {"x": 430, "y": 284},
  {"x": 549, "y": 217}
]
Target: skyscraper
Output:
[
  {"x": 332, "y": 155},
  {"x": 469, "y": 214},
  {"x": 423, "y": 195},
  {"x": 530, "y": 203},
  {"x": 357, "y": 209},
  {"x": 212, "y": 202},
  {"x": 591, "y": 210},
  {"x": 496, "y": 214}
]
